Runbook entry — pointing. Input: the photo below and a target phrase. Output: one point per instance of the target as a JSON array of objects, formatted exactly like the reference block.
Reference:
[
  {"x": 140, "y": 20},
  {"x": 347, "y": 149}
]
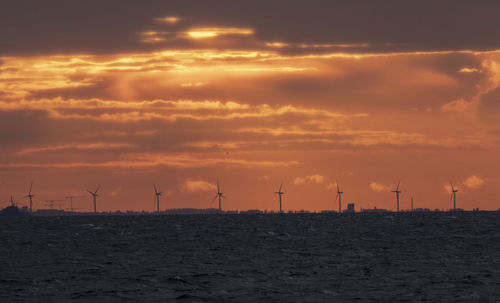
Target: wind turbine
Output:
[
  {"x": 411, "y": 204},
  {"x": 94, "y": 195},
  {"x": 157, "y": 194},
  {"x": 219, "y": 195},
  {"x": 339, "y": 197},
  {"x": 397, "y": 191},
  {"x": 12, "y": 203},
  {"x": 280, "y": 193},
  {"x": 454, "y": 196},
  {"x": 30, "y": 196}
]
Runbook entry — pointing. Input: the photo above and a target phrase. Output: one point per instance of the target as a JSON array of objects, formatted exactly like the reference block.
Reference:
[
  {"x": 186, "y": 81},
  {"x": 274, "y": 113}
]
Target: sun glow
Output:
[
  {"x": 212, "y": 32},
  {"x": 168, "y": 20}
]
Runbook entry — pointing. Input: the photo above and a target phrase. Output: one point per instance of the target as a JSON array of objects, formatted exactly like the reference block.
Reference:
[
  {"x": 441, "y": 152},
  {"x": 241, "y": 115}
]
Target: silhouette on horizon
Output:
[
  {"x": 280, "y": 193},
  {"x": 339, "y": 197},
  {"x": 157, "y": 196},
  {"x": 219, "y": 195},
  {"x": 454, "y": 196},
  {"x": 30, "y": 196},
  {"x": 94, "y": 195},
  {"x": 397, "y": 191}
]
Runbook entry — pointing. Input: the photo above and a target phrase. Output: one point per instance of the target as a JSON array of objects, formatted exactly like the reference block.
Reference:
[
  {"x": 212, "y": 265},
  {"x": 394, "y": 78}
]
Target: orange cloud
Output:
[
  {"x": 145, "y": 160},
  {"x": 78, "y": 146},
  {"x": 467, "y": 70},
  {"x": 316, "y": 178},
  {"x": 212, "y": 32},
  {"x": 460, "y": 106},
  {"x": 168, "y": 20},
  {"x": 197, "y": 185},
  {"x": 378, "y": 187},
  {"x": 474, "y": 182}
]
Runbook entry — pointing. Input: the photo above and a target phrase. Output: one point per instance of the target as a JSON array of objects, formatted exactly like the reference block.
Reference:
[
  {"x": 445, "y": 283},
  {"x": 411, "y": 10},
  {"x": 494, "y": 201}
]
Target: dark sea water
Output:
[{"x": 435, "y": 257}]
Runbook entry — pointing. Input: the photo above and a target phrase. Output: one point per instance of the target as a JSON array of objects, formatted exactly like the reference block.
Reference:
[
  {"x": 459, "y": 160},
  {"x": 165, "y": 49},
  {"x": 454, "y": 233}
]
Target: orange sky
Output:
[{"x": 200, "y": 97}]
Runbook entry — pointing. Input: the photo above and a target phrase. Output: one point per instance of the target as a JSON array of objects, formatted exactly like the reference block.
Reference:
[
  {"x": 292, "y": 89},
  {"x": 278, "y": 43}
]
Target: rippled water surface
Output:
[{"x": 252, "y": 258}]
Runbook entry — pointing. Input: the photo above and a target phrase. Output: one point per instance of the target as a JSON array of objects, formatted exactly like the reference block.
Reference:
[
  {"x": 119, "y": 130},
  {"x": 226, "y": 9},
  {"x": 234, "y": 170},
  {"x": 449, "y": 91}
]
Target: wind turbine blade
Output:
[
  {"x": 281, "y": 185},
  {"x": 99, "y": 187},
  {"x": 156, "y": 191},
  {"x": 90, "y": 192},
  {"x": 31, "y": 186},
  {"x": 397, "y": 188},
  {"x": 337, "y": 197}
]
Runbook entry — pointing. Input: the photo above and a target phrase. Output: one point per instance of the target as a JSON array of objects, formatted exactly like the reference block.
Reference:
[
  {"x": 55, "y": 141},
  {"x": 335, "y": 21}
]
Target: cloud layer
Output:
[{"x": 188, "y": 92}]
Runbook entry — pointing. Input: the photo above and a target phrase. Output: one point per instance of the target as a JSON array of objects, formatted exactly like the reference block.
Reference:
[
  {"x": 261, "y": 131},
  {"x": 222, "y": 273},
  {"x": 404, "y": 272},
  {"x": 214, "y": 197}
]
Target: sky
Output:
[{"x": 363, "y": 94}]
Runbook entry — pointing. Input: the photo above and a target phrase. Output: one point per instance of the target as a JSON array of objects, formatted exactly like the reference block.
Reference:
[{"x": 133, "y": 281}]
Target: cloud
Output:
[
  {"x": 377, "y": 187},
  {"x": 309, "y": 179},
  {"x": 197, "y": 185},
  {"x": 147, "y": 160},
  {"x": 473, "y": 182},
  {"x": 460, "y": 106},
  {"x": 212, "y": 32},
  {"x": 76, "y": 146},
  {"x": 168, "y": 19},
  {"x": 331, "y": 186},
  {"x": 467, "y": 70}
]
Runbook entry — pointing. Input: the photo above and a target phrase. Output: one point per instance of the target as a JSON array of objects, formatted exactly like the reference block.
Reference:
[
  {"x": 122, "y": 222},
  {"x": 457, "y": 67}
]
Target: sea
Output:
[{"x": 302, "y": 257}]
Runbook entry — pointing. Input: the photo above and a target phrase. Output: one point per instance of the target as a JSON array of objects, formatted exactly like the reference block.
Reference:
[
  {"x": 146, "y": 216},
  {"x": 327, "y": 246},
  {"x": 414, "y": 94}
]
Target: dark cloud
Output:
[
  {"x": 21, "y": 127},
  {"x": 57, "y": 26}
]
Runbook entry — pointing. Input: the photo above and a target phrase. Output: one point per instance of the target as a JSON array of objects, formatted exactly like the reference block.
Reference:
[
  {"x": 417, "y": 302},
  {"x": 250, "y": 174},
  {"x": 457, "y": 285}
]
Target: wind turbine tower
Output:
[
  {"x": 30, "y": 196},
  {"x": 94, "y": 195},
  {"x": 411, "y": 204},
  {"x": 397, "y": 191},
  {"x": 157, "y": 194},
  {"x": 219, "y": 195},
  {"x": 280, "y": 193},
  {"x": 454, "y": 196},
  {"x": 339, "y": 197}
]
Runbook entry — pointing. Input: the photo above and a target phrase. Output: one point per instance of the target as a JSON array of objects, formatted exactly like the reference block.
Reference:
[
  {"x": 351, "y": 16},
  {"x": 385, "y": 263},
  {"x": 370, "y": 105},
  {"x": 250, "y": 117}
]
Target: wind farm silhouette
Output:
[{"x": 55, "y": 204}]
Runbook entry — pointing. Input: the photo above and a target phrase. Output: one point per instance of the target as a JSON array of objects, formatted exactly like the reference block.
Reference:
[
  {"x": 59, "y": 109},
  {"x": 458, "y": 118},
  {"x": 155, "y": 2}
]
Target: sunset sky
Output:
[{"x": 124, "y": 94}]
